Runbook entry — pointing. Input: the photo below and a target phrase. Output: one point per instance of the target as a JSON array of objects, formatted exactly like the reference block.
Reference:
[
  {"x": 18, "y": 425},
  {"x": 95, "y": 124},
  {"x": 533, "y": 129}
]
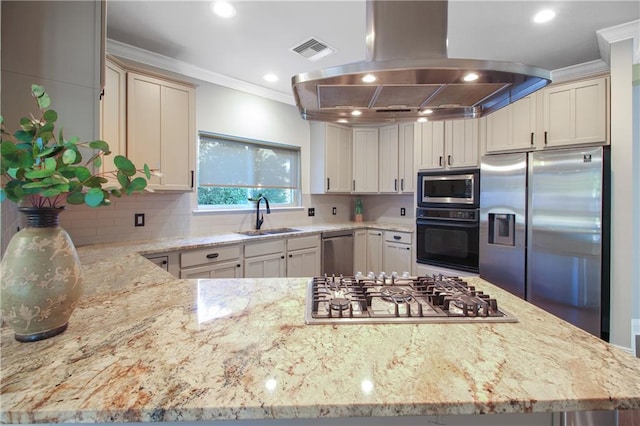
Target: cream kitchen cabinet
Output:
[
  {"x": 406, "y": 157},
  {"x": 397, "y": 252},
  {"x": 388, "y": 153},
  {"x": 513, "y": 127},
  {"x": 212, "y": 262},
  {"x": 375, "y": 240},
  {"x": 113, "y": 117},
  {"x": 331, "y": 158},
  {"x": 265, "y": 259},
  {"x": 168, "y": 261},
  {"x": 161, "y": 129},
  {"x": 449, "y": 144},
  {"x": 575, "y": 113},
  {"x": 365, "y": 160},
  {"x": 303, "y": 256},
  {"x": 360, "y": 251}
]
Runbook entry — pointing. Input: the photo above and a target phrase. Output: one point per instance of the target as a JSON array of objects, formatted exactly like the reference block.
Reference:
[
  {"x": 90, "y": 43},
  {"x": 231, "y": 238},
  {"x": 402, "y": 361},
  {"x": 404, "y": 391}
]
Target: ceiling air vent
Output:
[{"x": 313, "y": 49}]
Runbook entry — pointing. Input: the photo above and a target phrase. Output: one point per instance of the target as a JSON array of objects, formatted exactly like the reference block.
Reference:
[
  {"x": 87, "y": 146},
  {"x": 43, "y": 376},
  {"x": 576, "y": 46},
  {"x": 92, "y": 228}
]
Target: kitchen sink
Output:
[{"x": 258, "y": 232}]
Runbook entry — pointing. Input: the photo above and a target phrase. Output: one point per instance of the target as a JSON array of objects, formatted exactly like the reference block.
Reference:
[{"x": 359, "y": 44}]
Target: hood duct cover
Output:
[{"x": 407, "y": 54}]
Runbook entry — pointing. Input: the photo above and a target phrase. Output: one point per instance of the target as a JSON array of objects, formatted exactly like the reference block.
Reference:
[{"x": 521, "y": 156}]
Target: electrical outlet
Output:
[
  {"x": 138, "y": 219},
  {"x": 311, "y": 211},
  {"x": 403, "y": 211},
  {"x": 334, "y": 211}
]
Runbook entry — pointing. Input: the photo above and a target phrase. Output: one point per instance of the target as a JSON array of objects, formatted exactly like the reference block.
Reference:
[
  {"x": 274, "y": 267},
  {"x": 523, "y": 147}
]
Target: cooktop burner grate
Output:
[{"x": 382, "y": 299}]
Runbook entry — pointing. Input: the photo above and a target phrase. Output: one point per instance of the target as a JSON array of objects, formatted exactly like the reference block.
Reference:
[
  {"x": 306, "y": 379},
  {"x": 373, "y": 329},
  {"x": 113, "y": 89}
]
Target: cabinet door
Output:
[
  {"x": 461, "y": 143},
  {"x": 268, "y": 266},
  {"x": 406, "y": 157},
  {"x": 360, "y": 251},
  {"x": 432, "y": 145},
  {"x": 303, "y": 263},
  {"x": 113, "y": 117},
  {"x": 338, "y": 164},
  {"x": 576, "y": 113},
  {"x": 512, "y": 128},
  {"x": 397, "y": 258},
  {"x": 388, "y": 159},
  {"x": 161, "y": 129},
  {"x": 365, "y": 160},
  {"x": 374, "y": 251},
  {"x": 232, "y": 269}
]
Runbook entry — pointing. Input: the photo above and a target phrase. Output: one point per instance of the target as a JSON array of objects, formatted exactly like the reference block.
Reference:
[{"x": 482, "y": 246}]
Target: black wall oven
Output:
[{"x": 448, "y": 219}]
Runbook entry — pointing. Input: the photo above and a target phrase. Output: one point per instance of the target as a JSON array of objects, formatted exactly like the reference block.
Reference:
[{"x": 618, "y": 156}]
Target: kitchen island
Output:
[{"x": 145, "y": 346}]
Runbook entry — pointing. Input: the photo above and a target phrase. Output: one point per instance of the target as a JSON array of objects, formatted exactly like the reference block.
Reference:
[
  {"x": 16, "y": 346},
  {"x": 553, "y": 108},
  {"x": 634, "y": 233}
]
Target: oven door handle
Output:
[{"x": 452, "y": 223}]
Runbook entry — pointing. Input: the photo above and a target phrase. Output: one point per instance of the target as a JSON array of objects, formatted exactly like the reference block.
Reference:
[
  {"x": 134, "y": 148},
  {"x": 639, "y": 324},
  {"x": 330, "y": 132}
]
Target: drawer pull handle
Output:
[
  {"x": 397, "y": 237},
  {"x": 213, "y": 255}
]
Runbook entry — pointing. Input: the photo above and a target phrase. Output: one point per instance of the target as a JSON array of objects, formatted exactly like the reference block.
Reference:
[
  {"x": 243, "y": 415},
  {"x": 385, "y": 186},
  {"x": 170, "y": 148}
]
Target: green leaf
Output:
[
  {"x": 39, "y": 174},
  {"x": 97, "y": 162},
  {"x": 147, "y": 171},
  {"x": 41, "y": 96},
  {"x": 7, "y": 148},
  {"x": 22, "y": 136},
  {"x": 94, "y": 197},
  {"x": 50, "y": 151},
  {"x": 124, "y": 165},
  {"x": 48, "y": 127},
  {"x": 50, "y": 116},
  {"x": 36, "y": 184},
  {"x": 50, "y": 163},
  {"x": 75, "y": 198},
  {"x": 137, "y": 185},
  {"x": 123, "y": 179},
  {"x": 101, "y": 145},
  {"x": 50, "y": 192},
  {"x": 82, "y": 173},
  {"x": 69, "y": 156},
  {"x": 26, "y": 124}
]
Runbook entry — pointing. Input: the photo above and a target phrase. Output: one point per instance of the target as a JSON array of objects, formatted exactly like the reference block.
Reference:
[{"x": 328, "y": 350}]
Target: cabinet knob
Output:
[
  {"x": 545, "y": 137},
  {"x": 532, "y": 139},
  {"x": 402, "y": 184},
  {"x": 290, "y": 255},
  {"x": 440, "y": 161},
  {"x": 164, "y": 262},
  {"x": 395, "y": 184},
  {"x": 397, "y": 237},
  {"x": 449, "y": 160},
  {"x": 328, "y": 184}
]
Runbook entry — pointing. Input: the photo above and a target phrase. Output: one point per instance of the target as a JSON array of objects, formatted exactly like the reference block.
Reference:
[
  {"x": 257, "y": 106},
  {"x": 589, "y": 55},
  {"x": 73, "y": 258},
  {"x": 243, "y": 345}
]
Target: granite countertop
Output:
[
  {"x": 152, "y": 347},
  {"x": 97, "y": 252}
]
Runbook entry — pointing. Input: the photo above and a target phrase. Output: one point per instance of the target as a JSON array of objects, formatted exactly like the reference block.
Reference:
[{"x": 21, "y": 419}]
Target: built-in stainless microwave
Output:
[{"x": 449, "y": 189}]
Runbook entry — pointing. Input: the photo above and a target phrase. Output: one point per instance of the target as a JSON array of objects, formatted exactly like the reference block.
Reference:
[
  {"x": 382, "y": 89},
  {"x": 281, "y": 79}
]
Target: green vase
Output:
[{"x": 40, "y": 283}]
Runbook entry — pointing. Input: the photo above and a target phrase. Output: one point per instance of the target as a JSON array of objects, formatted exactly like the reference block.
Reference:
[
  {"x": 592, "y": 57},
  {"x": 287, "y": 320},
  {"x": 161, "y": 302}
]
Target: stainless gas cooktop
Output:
[{"x": 390, "y": 299}]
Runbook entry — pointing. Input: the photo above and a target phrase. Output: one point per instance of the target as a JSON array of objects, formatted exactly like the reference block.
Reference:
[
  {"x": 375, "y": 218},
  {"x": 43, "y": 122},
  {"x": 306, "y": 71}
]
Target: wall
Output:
[{"x": 55, "y": 44}]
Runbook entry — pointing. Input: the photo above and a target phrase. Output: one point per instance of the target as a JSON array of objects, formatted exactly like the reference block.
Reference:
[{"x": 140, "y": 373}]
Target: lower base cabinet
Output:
[
  {"x": 212, "y": 262},
  {"x": 397, "y": 252},
  {"x": 265, "y": 259},
  {"x": 303, "y": 256}
]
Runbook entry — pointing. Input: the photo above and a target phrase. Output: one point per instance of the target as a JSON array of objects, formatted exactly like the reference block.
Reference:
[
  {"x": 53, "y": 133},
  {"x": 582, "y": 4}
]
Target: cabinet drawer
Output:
[
  {"x": 397, "y": 237},
  {"x": 263, "y": 248},
  {"x": 209, "y": 255},
  {"x": 303, "y": 242}
]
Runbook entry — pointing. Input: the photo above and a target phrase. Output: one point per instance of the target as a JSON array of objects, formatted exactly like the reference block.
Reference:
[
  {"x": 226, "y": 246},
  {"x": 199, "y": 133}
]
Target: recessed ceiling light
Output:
[
  {"x": 426, "y": 111},
  {"x": 223, "y": 9},
  {"x": 369, "y": 78},
  {"x": 356, "y": 112},
  {"x": 472, "y": 76},
  {"x": 271, "y": 78},
  {"x": 422, "y": 119},
  {"x": 343, "y": 120},
  {"x": 544, "y": 16}
]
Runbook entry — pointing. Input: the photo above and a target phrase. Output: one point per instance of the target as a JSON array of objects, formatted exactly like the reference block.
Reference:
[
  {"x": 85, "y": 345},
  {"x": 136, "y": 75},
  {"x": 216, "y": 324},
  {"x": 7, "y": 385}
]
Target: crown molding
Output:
[
  {"x": 608, "y": 36},
  {"x": 580, "y": 71},
  {"x": 148, "y": 58}
]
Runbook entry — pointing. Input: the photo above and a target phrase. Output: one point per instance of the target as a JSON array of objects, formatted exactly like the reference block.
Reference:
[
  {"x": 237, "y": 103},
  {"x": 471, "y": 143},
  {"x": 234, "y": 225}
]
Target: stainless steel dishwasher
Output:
[{"x": 337, "y": 253}]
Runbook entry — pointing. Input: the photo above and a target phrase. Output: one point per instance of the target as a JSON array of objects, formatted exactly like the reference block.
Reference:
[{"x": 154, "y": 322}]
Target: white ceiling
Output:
[{"x": 257, "y": 40}]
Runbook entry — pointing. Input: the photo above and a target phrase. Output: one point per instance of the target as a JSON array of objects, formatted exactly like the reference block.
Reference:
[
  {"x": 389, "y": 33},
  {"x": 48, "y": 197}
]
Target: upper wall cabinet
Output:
[
  {"x": 576, "y": 113},
  {"x": 513, "y": 127},
  {"x": 406, "y": 156},
  {"x": 331, "y": 153},
  {"x": 161, "y": 129},
  {"x": 365, "y": 160},
  {"x": 113, "y": 109},
  {"x": 449, "y": 144}
]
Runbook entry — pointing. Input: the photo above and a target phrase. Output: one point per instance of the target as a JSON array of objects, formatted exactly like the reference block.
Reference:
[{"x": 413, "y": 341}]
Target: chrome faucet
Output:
[{"x": 259, "y": 217}]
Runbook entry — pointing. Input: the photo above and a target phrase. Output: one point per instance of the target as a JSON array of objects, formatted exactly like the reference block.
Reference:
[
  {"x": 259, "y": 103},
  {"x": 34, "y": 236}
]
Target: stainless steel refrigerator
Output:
[{"x": 544, "y": 231}]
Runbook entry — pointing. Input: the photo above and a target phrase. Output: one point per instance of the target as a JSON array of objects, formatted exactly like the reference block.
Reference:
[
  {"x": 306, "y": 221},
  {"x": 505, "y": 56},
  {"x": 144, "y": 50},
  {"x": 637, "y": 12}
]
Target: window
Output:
[{"x": 233, "y": 170}]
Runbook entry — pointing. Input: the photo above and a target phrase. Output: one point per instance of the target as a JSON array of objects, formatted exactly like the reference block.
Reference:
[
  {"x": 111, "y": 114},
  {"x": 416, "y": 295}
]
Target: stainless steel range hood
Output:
[{"x": 407, "y": 54}]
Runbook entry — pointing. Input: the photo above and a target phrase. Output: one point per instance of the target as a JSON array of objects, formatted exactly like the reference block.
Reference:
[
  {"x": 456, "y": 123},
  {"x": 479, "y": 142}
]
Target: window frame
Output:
[{"x": 296, "y": 191}]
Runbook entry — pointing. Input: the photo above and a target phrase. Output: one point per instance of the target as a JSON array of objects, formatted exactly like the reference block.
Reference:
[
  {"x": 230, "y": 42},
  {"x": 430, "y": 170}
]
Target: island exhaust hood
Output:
[{"x": 406, "y": 54}]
